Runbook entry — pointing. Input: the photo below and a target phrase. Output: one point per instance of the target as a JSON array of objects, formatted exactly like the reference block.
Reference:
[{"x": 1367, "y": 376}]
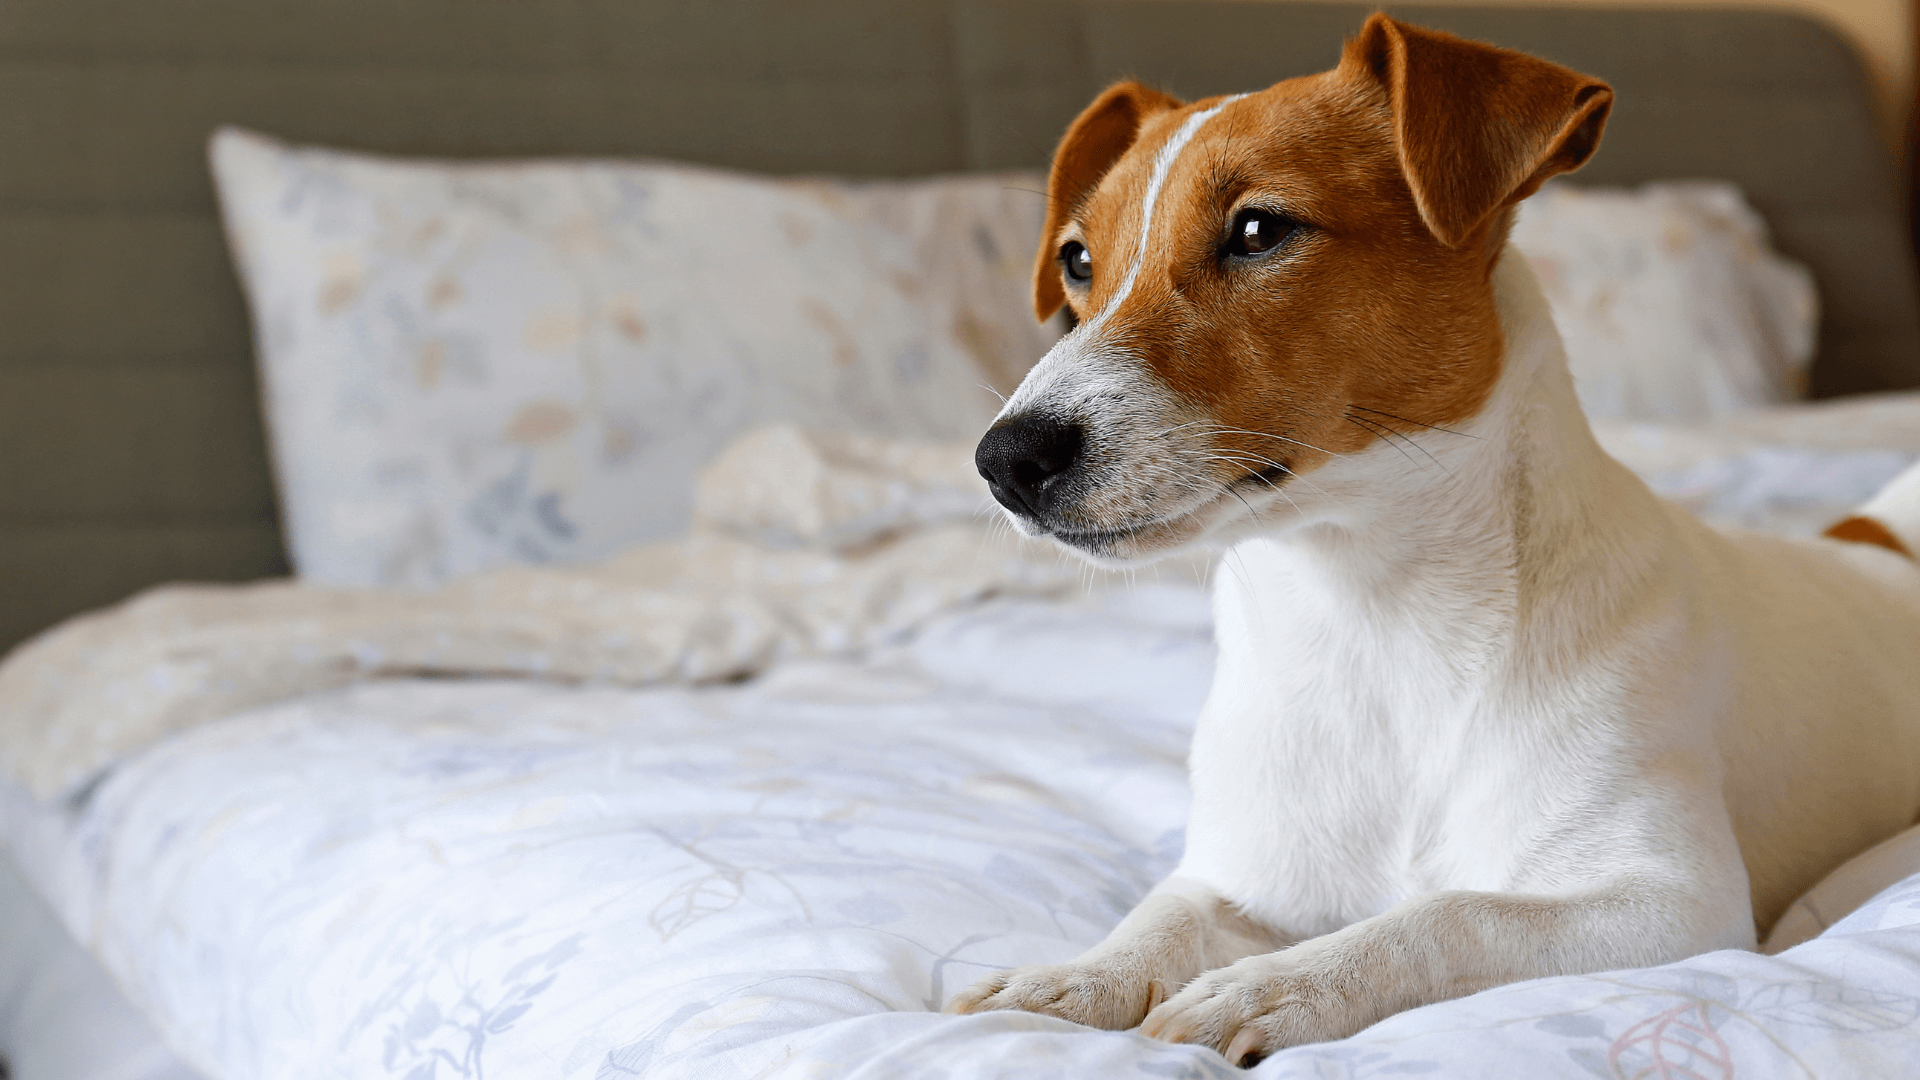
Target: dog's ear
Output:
[
  {"x": 1092, "y": 144},
  {"x": 1477, "y": 127}
]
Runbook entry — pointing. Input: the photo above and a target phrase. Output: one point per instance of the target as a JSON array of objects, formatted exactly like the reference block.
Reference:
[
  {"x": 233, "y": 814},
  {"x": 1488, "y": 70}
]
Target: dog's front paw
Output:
[
  {"x": 1114, "y": 995},
  {"x": 1257, "y": 1006}
]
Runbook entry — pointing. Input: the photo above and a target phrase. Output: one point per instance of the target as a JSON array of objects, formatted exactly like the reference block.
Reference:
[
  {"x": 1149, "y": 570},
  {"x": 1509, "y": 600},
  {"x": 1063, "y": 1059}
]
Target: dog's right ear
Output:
[{"x": 1092, "y": 144}]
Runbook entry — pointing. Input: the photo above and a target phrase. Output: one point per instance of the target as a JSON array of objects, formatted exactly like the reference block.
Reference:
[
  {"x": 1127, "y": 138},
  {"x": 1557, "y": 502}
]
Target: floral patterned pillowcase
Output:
[
  {"x": 1670, "y": 299},
  {"x": 470, "y": 365}
]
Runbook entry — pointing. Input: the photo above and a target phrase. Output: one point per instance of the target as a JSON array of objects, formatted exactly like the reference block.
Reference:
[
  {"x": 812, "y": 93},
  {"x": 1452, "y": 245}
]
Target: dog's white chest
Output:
[{"x": 1335, "y": 768}]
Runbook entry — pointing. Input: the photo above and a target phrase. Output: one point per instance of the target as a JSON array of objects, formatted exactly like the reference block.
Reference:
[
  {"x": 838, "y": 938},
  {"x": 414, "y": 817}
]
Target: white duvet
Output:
[{"x": 425, "y": 878}]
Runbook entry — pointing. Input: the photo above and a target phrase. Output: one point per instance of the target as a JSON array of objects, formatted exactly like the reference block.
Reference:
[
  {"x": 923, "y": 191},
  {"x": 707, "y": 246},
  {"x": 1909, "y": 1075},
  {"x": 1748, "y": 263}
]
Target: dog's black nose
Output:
[{"x": 1021, "y": 456}]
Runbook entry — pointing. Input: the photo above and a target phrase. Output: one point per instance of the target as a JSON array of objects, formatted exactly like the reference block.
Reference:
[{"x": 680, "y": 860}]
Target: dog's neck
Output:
[{"x": 1467, "y": 539}]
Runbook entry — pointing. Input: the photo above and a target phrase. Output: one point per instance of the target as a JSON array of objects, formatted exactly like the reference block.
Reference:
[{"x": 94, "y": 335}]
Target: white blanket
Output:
[
  {"x": 433, "y": 878},
  {"x": 804, "y": 544}
]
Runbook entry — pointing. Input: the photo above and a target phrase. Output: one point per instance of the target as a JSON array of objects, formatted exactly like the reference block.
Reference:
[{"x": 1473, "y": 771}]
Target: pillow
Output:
[
  {"x": 1671, "y": 303},
  {"x": 469, "y": 365}
]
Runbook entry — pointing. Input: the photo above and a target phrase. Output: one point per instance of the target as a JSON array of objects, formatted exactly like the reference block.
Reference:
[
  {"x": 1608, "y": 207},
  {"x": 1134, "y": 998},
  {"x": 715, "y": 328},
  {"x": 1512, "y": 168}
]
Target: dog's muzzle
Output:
[{"x": 1026, "y": 460}]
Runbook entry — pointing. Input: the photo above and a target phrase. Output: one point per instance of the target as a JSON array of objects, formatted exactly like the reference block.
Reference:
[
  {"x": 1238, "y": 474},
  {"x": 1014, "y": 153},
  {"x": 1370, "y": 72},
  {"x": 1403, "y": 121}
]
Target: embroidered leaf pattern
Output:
[
  {"x": 1676, "y": 1044},
  {"x": 691, "y": 901}
]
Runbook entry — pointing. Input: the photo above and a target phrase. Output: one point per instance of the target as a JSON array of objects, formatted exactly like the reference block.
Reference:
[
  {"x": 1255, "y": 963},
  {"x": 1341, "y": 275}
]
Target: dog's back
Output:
[{"x": 1823, "y": 760}]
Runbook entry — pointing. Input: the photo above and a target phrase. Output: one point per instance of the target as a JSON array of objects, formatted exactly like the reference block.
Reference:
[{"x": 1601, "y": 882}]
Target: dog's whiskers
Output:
[
  {"x": 1269, "y": 435},
  {"x": 1385, "y": 433},
  {"x": 1416, "y": 423},
  {"x": 1255, "y": 466},
  {"x": 1251, "y": 512},
  {"x": 1389, "y": 435},
  {"x": 1275, "y": 488},
  {"x": 1177, "y": 427}
]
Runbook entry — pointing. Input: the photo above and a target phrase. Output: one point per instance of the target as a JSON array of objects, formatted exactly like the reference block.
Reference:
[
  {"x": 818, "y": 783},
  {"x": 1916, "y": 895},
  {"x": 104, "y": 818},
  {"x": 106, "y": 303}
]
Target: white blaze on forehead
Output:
[
  {"x": 1162, "y": 165},
  {"x": 1076, "y": 369}
]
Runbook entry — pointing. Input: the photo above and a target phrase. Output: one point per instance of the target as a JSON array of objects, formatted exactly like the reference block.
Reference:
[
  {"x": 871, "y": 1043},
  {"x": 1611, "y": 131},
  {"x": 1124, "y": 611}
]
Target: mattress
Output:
[{"x": 465, "y": 877}]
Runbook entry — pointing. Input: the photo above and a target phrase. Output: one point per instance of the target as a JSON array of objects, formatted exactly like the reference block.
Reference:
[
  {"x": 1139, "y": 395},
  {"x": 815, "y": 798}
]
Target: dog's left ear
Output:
[
  {"x": 1477, "y": 127},
  {"x": 1096, "y": 139}
]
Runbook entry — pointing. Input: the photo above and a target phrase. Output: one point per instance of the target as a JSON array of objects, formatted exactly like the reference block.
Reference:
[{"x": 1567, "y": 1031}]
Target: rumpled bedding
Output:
[
  {"x": 662, "y": 871},
  {"x": 804, "y": 544}
]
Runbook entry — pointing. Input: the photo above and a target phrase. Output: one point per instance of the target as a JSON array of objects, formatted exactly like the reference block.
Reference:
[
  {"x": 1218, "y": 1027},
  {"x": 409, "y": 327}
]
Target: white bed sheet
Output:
[{"x": 425, "y": 879}]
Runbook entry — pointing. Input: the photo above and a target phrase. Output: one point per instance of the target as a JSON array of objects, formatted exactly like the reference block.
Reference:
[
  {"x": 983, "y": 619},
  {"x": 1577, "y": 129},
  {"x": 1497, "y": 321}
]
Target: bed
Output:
[
  {"x": 911, "y": 752},
  {"x": 430, "y": 877}
]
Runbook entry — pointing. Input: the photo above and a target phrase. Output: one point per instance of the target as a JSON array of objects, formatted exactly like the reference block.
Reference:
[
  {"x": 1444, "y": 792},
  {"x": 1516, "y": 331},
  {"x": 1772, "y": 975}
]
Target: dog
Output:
[{"x": 1486, "y": 709}]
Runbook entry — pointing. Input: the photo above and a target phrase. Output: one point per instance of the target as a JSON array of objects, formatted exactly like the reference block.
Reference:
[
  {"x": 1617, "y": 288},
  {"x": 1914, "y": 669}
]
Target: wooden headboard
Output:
[{"x": 131, "y": 448}]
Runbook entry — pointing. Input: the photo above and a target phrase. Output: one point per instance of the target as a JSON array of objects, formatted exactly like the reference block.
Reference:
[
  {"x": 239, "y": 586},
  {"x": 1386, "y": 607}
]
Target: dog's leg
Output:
[
  {"x": 1179, "y": 930},
  {"x": 1430, "y": 948}
]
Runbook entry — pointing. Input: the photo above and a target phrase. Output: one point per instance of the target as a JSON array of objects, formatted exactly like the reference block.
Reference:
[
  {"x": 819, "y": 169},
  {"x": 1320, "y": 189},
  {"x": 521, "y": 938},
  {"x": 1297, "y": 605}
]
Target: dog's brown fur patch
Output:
[{"x": 1865, "y": 530}]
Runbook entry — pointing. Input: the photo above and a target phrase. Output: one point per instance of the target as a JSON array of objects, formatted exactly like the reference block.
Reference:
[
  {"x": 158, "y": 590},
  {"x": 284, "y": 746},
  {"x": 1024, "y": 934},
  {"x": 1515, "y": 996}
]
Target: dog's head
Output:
[{"x": 1266, "y": 283}]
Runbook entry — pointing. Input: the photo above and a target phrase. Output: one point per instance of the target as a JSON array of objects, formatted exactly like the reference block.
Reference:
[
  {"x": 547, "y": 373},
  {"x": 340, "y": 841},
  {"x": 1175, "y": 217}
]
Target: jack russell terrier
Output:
[{"x": 1486, "y": 708}]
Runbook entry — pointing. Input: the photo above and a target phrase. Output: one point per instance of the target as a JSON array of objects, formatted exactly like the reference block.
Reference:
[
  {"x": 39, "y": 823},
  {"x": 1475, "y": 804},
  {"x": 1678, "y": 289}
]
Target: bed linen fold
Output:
[{"x": 805, "y": 544}]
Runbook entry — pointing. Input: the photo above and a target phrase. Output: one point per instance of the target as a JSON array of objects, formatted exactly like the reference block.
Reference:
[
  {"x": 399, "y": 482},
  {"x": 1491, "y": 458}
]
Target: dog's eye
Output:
[
  {"x": 1077, "y": 260},
  {"x": 1256, "y": 232}
]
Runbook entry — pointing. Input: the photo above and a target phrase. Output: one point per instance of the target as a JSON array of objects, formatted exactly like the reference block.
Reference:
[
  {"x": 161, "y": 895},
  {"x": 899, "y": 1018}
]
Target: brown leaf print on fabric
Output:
[
  {"x": 551, "y": 331},
  {"x": 623, "y": 314},
  {"x": 796, "y": 231},
  {"x": 911, "y": 286},
  {"x": 620, "y": 436},
  {"x": 429, "y": 364},
  {"x": 846, "y": 351},
  {"x": 444, "y": 293},
  {"x": 341, "y": 284},
  {"x": 541, "y": 421}
]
